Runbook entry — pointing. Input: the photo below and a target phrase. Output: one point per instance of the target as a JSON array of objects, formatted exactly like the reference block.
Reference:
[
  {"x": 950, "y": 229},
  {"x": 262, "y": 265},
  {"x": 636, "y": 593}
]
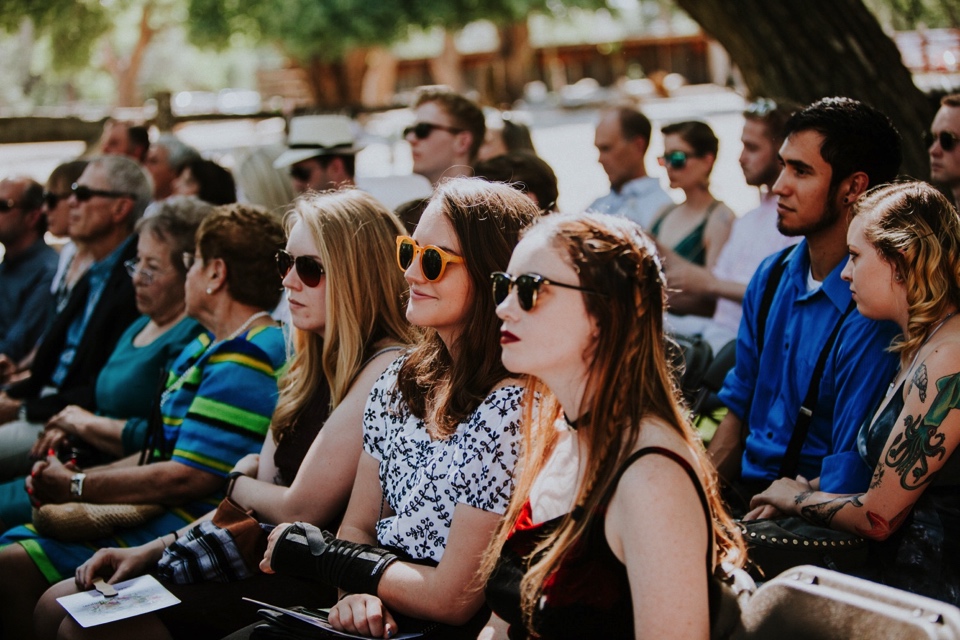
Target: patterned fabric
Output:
[
  {"x": 219, "y": 414},
  {"x": 205, "y": 552},
  {"x": 424, "y": 479},
  {"x": 638, "y": 200}
]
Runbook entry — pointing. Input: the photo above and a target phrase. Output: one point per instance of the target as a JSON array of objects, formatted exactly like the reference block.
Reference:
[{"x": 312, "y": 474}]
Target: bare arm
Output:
[
  {"x": 331, "y": 463},
  {"x": 926, "y": 434},
  {"x": 653, "y": 493},
  {"x": 101, "y": 432}
]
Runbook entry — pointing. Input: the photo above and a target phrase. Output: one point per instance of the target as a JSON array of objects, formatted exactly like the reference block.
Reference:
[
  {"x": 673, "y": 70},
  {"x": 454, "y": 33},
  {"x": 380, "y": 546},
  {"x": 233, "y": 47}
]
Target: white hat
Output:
[{"x": 312, "y": 136}]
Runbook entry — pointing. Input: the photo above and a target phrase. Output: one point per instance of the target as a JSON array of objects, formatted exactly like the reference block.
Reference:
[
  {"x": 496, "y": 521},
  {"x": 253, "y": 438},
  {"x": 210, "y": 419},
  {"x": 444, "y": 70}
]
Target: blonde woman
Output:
[{"x": 346, "y": 302}]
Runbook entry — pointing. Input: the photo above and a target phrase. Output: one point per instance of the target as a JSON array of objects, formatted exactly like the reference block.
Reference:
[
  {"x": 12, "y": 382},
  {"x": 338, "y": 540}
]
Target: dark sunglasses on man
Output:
[
  {"x": 422, "y": 130},
  {"x": 83, "y": 193},
  {"x": 948, "y": 141}
]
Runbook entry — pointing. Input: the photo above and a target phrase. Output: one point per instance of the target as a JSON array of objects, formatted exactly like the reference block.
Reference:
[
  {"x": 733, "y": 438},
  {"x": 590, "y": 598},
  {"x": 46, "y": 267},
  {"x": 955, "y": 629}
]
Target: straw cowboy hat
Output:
[{"x": 312, "y": 136}]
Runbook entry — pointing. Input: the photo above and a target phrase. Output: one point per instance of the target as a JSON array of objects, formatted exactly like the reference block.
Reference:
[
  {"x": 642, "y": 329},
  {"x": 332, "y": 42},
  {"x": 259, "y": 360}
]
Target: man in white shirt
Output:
[{"x": 622, "y": 138}]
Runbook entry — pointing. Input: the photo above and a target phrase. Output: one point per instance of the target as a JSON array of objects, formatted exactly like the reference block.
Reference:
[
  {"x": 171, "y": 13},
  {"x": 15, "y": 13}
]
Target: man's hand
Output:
[{"x": 8, "y": 408}]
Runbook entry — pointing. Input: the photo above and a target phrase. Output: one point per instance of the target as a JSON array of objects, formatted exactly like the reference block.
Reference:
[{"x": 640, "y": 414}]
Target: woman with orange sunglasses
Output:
[{"x": 440, "y": 437}]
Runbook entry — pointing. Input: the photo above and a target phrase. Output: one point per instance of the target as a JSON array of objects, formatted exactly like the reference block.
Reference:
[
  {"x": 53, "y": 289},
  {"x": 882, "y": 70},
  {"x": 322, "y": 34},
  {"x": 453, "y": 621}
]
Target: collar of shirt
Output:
[{"x": 798, "y": 266}]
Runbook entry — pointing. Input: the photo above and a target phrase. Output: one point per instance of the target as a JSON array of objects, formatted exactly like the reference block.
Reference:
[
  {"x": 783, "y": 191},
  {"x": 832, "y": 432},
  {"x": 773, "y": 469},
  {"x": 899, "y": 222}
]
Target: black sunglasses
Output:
[
  {"x": 8, "y": 205},
  {"x": 309, "y": 270},
  {"x": 301, "y": 174},
  {"x": 948, "y": 141},
  {"x": 52, "y": 199},
  {"x": 528, "y": 286},
  {"x": 83, "y": 193},
  {"x": 422, "y": 130}
]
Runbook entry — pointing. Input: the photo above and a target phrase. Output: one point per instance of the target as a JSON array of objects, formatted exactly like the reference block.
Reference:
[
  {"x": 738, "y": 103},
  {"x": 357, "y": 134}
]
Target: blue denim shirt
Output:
[
  {"x": 638, "y": 200},
  {"x": 98, "y": 274},
  {"x": 766, "y": 392}
]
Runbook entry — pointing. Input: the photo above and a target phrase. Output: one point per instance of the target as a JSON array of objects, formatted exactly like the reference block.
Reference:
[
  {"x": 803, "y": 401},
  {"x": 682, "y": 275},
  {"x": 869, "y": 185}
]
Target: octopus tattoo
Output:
[{"x": 920, "y": 442}]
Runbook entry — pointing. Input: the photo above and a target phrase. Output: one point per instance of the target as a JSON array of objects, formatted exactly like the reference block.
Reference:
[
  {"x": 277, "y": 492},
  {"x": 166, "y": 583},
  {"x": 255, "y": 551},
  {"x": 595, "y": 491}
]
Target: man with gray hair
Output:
[
  {"x": 106, "y": 202},
  {"x": 165, "y": 158}
]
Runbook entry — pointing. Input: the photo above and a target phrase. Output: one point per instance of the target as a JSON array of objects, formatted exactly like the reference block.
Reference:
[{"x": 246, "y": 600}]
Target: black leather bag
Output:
[{"x": 776, "y": 545}]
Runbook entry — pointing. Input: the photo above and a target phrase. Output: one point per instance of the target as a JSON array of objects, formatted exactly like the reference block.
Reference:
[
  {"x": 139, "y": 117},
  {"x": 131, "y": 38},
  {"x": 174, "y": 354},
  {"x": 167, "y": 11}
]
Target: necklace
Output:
[
  {"x": 183, "y": 376},
  {"x": 917, "y": 355}
]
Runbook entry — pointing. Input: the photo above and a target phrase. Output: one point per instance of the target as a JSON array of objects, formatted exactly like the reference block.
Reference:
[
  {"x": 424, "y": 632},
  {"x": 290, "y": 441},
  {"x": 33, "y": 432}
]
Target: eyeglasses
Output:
[
  {"x": 188, "y": 260},
  {"x": 83, "y": 193},
  {"x": 528, "y": 286},
  {"x": 422, "y": 130},
  {"x": 300, "y": 174},
  {"x": 146, "y": 273},
  {"x": 948, "y": 141},
  {"x": 761, "y": 107},
  {"x": 309, "y": 270},
  {"x": 8, "y": 205},
  {"x": 675, "y": 159},
  {"x": 52, "y": 199},
  {"x": 433, "y": 260}
]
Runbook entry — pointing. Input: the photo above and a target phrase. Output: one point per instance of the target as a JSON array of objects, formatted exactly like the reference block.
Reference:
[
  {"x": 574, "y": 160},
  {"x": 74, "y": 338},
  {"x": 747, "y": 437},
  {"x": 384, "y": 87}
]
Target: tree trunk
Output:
[
  {"x": 518, "y": 60},
  {"x": 808, "y": 49},
  {"x": 380, "y": 79},
  {"x": 445, "y": 68}
]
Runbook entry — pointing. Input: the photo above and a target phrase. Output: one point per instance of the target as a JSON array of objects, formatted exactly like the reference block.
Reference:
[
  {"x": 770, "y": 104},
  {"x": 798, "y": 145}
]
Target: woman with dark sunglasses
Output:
[
  {"x": 696, "y": 229},
  {"x": 346, "y": 307},
  {"x": 610, "y": 462},
  {"x": 441, "y": 434}
]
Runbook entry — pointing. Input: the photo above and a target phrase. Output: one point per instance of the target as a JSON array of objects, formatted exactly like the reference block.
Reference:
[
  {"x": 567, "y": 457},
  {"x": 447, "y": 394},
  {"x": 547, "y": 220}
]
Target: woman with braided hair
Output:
[{"x": 615, "y": 503}]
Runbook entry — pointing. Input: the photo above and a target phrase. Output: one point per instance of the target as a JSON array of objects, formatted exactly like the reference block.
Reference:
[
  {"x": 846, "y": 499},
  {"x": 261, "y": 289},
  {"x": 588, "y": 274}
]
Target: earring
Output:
[
  {"x": 897, "y": 277},
  {"x": 846, "y": 201},
  {"x": 209, "y": 290}
]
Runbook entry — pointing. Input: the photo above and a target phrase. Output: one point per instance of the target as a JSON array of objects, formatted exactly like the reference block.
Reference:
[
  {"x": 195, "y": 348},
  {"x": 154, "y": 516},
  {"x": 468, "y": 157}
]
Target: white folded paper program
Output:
[{"x": 134, "y": 597}]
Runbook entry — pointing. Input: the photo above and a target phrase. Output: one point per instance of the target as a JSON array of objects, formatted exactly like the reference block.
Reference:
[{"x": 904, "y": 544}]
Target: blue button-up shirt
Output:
[
  {"x": 98, "y": 274},
  {"x": 766, "y": 390},
  {"x": 25, "y": 299},
  {"x": 639, "y": 200}
]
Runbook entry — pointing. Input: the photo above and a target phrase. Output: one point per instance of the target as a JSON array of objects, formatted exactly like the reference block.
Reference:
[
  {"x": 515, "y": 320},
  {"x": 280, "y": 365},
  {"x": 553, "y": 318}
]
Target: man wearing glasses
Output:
[
  {"x": 622, "y": 138},
  {"x": 446, "y": 134},
  {"x": 26, "y": 271},
  {"x": 321, "y": 153},
  {"x": 105, "y": 204},
  {"x": 944, "y": 146}
]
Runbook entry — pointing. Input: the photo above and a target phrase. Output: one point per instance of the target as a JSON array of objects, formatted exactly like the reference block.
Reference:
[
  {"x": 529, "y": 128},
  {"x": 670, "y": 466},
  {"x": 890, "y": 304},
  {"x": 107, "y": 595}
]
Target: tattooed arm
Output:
[{"x": 925, "y": 435}]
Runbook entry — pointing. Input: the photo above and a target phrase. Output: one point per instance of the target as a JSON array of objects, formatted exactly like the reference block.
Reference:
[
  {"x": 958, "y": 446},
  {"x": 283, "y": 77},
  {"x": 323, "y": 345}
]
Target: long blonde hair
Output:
[
  {"x": 629, "y": 382},
  {"x": 355, "y": 237}
]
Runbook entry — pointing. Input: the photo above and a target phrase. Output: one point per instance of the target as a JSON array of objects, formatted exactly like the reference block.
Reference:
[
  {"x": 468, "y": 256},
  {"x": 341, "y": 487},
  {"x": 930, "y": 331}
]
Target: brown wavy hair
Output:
[
  {"x": 355, "y": 238},
  {"x": 916, "y": 229},
  {"x": 616, "y": 260},
  {"x": 437, "y": 388}
]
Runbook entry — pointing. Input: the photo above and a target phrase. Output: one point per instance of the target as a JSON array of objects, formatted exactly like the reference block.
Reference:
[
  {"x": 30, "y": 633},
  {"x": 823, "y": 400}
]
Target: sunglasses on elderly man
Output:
[
  {"x": 309, "y": 270},
  {"x": 83, "y": 193},
  {"x": 527, "y": 286},
  {"x": 948, "y": 141},
  {"x": 433, "y": 260},
  {"x": 675, "y": 159},
  {"x": 422, "y": 130}
]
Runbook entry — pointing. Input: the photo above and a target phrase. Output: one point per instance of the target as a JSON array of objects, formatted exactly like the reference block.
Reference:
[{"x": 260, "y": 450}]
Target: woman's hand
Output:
[
  {"x": 363, "y": 614},
  {"x": 784, "y": 495},
  {"x": 271, "y": 543},
  {"x": 248, "y": 465},
  {"x": 49, "y": 440},
  {"x": 116, "y": 564},
  {"x": 71, "y": 419},
  {"x": 763, "y": 512}
]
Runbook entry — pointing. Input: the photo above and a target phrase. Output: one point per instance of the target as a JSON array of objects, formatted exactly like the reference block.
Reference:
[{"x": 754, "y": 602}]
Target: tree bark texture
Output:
[{"x": 808, "y": 49}]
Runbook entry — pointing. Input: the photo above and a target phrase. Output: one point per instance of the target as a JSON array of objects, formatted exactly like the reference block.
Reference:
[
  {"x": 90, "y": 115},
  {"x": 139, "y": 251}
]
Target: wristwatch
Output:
[{"x": 76, "y": 485}]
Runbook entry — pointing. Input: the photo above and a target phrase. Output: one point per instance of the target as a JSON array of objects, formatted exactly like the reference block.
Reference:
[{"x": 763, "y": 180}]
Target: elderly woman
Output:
[
  {"x": 215, "y": 408},
  {"x": 904, "y": 266},
  {"x": 127, "y": 384},
  {"x": 206, "y": 180}
]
